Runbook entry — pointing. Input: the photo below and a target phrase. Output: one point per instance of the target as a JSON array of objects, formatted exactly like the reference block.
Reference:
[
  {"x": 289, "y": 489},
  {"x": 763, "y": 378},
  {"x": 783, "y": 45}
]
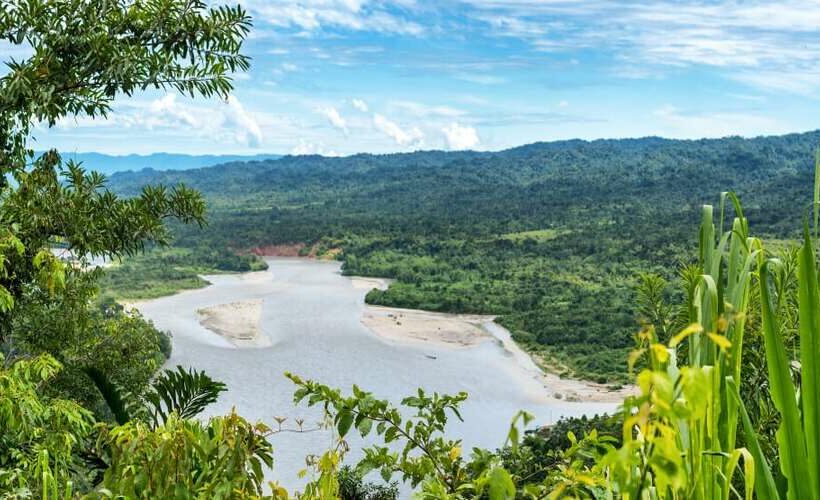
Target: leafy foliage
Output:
[
  {"x": 101, "y": 50},
  {"x": 46, "y": 443},
  {"x": 353, "y": 487},
  {"x": 185, "y": 393},
  {"x": 105, "y": 48},
  {"x": 798, "y": 434},
  {"x": 187, "y": 459},
  {"x": 40, "y": 435}
]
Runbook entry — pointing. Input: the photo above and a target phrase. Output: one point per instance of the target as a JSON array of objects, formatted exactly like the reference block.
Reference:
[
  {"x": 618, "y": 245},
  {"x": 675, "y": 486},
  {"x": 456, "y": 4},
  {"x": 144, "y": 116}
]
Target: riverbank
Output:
[
  {"x": 312, "y": 314},
  {"x": 460, "y": 331},
  {"x": 239, "y": 324},
  {"x": 166, "y": 271},
  {"x": 441, "y": 329}
]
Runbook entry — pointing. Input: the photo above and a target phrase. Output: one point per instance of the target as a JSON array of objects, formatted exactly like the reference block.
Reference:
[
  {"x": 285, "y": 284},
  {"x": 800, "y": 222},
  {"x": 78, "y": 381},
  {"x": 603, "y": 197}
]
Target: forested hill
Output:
[
  {"x": 521, "y": 188},
  {"x": 550, "y": 235}
]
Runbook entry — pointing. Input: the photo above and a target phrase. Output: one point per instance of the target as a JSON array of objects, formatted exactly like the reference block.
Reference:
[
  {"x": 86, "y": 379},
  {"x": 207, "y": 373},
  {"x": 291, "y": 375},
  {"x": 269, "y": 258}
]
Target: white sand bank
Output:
[
  {"x": 443, "y": 330},
  {"x": 366, "y": 283},
  {"x": 239, "y": 322}
]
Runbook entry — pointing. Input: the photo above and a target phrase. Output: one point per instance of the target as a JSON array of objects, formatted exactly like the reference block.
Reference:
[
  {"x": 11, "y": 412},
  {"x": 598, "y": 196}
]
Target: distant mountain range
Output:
[
  {"x": 108, "y": 164},
  {"x": 542, "y": 185}
]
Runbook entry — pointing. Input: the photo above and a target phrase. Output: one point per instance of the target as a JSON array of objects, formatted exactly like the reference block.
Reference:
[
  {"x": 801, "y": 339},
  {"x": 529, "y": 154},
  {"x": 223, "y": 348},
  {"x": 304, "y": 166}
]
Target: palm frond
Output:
[{"x": 180, "y": 391}]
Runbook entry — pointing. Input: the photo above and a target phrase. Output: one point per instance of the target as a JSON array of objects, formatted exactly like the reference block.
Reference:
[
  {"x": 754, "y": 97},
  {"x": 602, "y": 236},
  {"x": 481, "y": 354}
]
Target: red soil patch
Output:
[{"x": 282, "y": 250}]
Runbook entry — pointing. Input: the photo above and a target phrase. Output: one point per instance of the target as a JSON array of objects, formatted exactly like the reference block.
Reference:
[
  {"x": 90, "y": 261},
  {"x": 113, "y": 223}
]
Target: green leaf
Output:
[
  {"x": 809, "y": 326},
  {"x": 344, "y": 421},
  {"x": 790, "y": 435},
  {"x": 364, "y": 426},
  {"x": 501, "y": 486},
  {"x": 765, "y": 487},
  {"x": 6, "y": 300}
]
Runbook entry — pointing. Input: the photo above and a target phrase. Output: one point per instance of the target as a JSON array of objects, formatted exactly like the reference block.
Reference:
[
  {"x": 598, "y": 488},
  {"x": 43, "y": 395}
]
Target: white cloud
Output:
[
  {"x": 741, "y": 39},
  {"x": 460, "y": 136},
  {"x": 410, "y": 137},
  {"x": 167, "y": 111},
  {"x": 421, "y": 110},
  {"x": 304, "y": 147},
  {"x": 225, "y": 122},
  {"x": 316, "y": 15},
  {"x": 481, "y": 79},
  {"x": 360, "y": 105},
  {"x": 333, "y": 116},
  {"x": 246, "y": 130},
  {"x": 677, "y": 123},
  {"x": 284, "y": 69},
  {"x": 563, "y": 104},
  {"x": 804, "y": 81}
]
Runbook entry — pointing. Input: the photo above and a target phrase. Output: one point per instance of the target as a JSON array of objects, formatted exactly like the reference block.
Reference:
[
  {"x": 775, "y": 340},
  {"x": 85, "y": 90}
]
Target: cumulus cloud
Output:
[
  {"x": 304, "y": 147},
  {"x": 460, "y": 136},
  {"x": 167, "y": 111},
  {"x": 409, "y": 137},
  {"x": 228, "y": 122},
  {"x": 246, "y": 130},
  {"x": 333, "y": 117},
  {"x": 360, "y": 105}
]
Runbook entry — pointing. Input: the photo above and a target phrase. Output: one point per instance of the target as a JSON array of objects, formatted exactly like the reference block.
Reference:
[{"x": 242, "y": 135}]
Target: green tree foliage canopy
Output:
[
  {"x": 81, "y": 56},
  {"x": 86, "y": 52}
]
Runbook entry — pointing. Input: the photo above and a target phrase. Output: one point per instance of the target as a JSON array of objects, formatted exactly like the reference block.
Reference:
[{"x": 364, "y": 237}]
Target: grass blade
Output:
[
  {"x": 790, "y": 435},
  {"x": 809, "y": 317},
  {"x": 765, "y": 487},
  {"x": 816, "y": 204}
]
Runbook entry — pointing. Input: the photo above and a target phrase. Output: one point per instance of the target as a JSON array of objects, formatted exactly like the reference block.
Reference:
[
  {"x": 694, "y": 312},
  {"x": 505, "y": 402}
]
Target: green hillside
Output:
[{"x": 467, "y": 231}]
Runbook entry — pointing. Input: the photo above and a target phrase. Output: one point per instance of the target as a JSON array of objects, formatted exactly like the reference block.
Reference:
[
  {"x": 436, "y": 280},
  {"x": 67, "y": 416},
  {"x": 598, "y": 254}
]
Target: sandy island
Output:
[
  {"x": 239, "y": 322},
  {"x": 461, "y": 331}
]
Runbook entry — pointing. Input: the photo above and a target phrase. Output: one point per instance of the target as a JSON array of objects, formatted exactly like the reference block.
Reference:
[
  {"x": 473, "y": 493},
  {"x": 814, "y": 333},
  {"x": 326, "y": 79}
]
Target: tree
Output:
[{"x": 83, "y": 55}]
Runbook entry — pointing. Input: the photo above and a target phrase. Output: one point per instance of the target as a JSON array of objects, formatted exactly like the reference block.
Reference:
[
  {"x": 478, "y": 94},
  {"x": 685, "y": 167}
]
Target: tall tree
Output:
[{"x": 83, "y": 54}]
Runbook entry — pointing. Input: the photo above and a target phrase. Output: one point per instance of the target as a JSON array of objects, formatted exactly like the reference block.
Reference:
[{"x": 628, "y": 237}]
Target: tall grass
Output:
[
  {"x": 798, "y": 436},
  {"x": 680, "y": 431},
  {"x": 719, "y": 306}
]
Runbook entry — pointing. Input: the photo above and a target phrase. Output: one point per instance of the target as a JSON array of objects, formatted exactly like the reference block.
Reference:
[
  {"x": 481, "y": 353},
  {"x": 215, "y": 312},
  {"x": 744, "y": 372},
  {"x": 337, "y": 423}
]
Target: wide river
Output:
[{"x": 312, "y": 315}]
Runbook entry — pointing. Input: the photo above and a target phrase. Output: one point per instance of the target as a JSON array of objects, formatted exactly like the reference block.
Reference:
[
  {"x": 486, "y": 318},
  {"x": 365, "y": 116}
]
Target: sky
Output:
[{"x": 337, "y": 77}]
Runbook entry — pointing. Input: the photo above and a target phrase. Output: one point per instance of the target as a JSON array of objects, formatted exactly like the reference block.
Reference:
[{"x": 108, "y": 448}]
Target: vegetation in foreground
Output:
[
  {"x": 688, "y": 433},
  {"x": 708, "y": 421}
]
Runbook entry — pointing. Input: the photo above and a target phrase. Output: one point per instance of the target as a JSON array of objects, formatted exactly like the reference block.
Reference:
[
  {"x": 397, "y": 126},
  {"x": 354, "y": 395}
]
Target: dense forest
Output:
[
  {"x": 725, "y": 361},
  {"x": 550, "y": 236}
]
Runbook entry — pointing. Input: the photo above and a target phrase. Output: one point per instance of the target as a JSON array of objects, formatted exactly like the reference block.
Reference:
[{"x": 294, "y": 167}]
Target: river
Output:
[{"x": 312, "y": 316}]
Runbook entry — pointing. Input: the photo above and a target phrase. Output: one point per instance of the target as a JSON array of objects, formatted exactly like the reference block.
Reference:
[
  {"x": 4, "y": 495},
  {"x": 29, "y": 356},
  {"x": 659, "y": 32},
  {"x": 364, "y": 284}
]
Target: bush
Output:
[{"x": 353, "y": 487}]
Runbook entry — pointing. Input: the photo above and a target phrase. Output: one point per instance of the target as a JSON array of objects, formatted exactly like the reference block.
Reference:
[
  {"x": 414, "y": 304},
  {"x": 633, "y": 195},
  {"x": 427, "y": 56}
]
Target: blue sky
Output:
[{"x": 345, "y": 76}]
